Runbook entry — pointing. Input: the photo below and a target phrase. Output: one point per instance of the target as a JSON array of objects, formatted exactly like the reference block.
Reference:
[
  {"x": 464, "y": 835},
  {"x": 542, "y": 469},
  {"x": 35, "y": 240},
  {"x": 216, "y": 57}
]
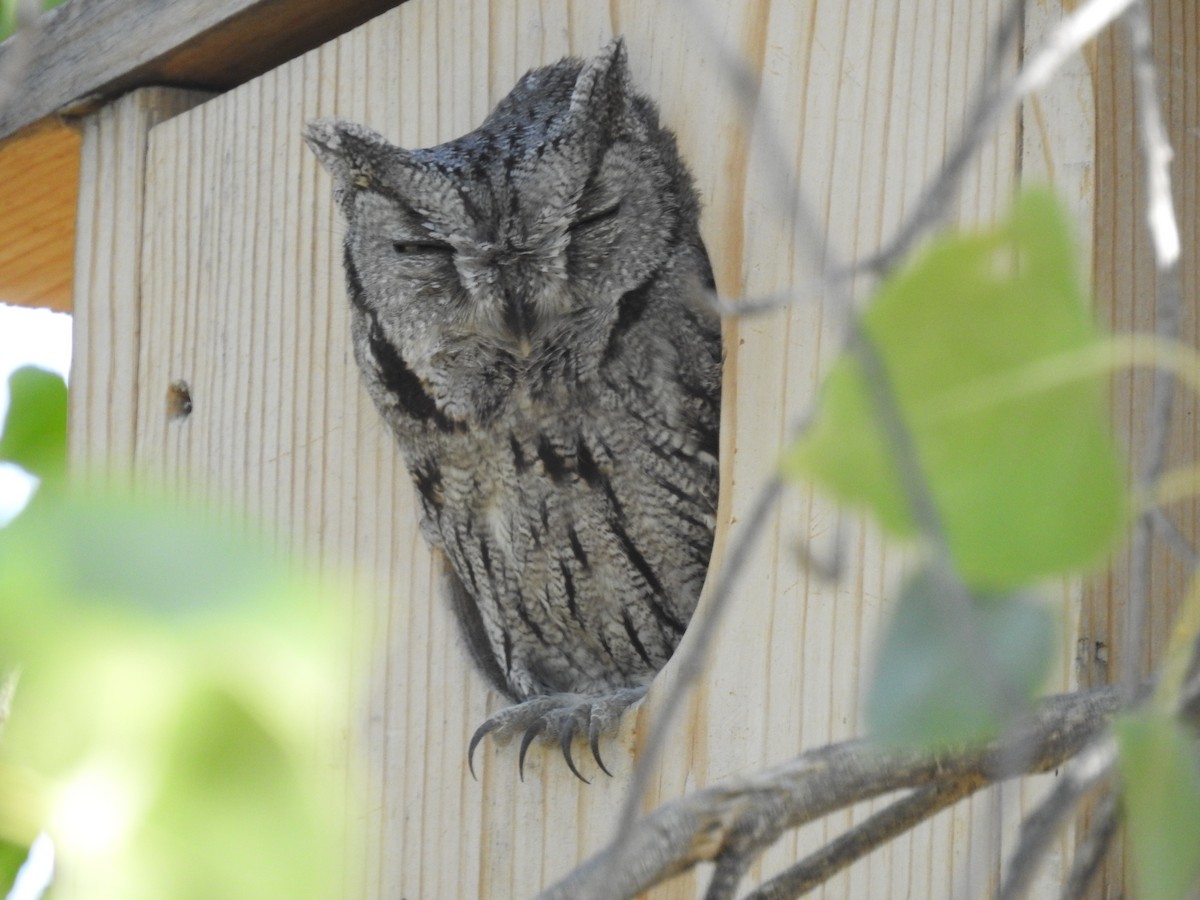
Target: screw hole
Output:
[{"x": 179, "y": 400}]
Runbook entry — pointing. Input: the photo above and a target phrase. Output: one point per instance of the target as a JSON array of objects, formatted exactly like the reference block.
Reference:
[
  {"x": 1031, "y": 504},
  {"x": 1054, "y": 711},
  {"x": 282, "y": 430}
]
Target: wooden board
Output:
[
  {"x": 1126, "y": 285},
  {"x": 107, "y": 288},
  {"x": 39, "y": 175},
  {"x": 243, "y": 298},
  {"x": 95, "y": 49}
]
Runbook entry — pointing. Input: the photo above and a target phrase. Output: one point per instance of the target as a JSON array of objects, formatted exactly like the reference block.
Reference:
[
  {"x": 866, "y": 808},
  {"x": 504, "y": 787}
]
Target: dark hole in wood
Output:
[{"x": 179, "y": 400}]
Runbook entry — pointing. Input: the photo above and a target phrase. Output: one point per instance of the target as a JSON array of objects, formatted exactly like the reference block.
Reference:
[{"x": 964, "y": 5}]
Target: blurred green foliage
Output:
[
  {"x": 1026, "y": 483},
  {"x": 1160, "y": 771},
  {"x": 35, "y": 431},
  {"x": 981, "y": 338},
  {"x": 9, "y": 10},
  {"x": 177, "y": 721},
  {"x": 933, "y": 686},
  {"x": 990, "y": 354}
]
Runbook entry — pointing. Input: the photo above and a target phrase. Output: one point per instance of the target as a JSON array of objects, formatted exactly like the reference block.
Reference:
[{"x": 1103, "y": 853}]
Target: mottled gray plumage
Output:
[{"x": 527, "y": 315}]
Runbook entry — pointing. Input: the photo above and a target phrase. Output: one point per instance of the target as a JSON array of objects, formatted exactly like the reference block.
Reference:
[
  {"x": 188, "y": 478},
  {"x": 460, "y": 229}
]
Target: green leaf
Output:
[
  {"x": 177, "y": 704},
  {"x": 1160, "y": 771},
  {"x": 35, "y": 430},
  {"x": 166, "y": 561},
  {"x": 1028, "y": 482},
  {"x": 12, "y": 857},
  {"x": 933, "y": 685},
  {"x": 234, "y": 786},
  {"x": 8, "y": 18}
]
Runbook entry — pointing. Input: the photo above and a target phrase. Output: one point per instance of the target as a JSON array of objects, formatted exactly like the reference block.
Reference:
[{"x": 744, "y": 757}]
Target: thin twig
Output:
[
  {"x": 1083, "y": 773},
  {"x": 1176, "y": 539},
  {"x": 1156, "y": 144},
  {"x": 1068, "y": 38},
  {"x": 692, "y": 654},
  {"x": 730, "y": 870},
  {"x": 1090, "y": 853},
  {"x": 899, "y": 440},
  {"x": 877, "y": 830},
  {"x": 833, "y": 278},
  {"x": 954, "y": 599},
  {"x": 810, "y": 239},
  {"x": 1164, "y": 236},
  {"x": 932, "y": 206},
  {"x": 749, "y": 307}
]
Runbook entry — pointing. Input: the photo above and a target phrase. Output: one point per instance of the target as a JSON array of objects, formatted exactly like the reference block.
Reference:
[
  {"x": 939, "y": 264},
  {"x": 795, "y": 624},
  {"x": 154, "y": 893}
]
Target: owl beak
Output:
[{"x": 519, "y": 320}]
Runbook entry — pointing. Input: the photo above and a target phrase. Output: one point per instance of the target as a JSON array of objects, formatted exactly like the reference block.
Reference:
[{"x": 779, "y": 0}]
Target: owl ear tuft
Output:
[
  {"x": 603, "y": 92},
  {"x": 349, "y": 152}
]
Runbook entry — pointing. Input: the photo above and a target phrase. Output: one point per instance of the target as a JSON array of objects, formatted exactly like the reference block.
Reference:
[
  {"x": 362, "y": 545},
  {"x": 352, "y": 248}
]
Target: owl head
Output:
[{"x": 519, "y": 239}]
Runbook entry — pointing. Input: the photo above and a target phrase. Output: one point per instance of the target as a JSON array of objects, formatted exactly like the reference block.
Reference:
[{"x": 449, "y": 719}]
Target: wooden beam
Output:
[
  {"x": 39, "y": 171},
  {"x": 90, "y": 50},
  {"x": 108, "y": 291}
]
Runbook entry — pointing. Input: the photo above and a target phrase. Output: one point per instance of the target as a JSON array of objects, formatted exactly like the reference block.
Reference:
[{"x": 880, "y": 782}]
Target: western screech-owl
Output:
[{"x": 527, "y": 312}]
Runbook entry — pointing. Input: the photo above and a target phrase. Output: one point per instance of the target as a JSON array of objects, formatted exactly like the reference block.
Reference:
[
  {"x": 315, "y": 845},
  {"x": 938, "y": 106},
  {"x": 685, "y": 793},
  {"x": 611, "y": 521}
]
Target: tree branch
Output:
[
  {"x": 1091, "y": 852},
  {"x": 1037, "y": 830},
  {"x": 745, "y": 815},
  {"x": 899, "y": 817}
]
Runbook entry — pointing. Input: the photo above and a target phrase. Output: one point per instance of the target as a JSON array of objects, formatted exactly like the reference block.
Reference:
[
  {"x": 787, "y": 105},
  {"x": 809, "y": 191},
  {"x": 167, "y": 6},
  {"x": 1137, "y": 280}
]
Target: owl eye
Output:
[
  {"x": 418, "y": 248},
  {"x": 602, "y": 215}
]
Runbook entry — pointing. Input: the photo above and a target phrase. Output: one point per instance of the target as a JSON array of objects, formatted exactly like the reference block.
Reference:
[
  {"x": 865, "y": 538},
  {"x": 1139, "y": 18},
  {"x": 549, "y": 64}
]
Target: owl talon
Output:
[
  {"x": 594, "y": 743},
  {"x": 559, "y": 719},
  {"x": 568, "y": 736},
  {"x": 531, "y": 733},
  {"x": 480, "y": 733}
]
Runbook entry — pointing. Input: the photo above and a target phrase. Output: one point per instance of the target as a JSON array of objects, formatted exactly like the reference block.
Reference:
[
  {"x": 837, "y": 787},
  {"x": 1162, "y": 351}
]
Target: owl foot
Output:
[{"x": 559, "y": 718}]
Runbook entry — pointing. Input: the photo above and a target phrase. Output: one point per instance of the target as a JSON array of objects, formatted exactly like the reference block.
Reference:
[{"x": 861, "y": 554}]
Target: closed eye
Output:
[
  {"x": 418, "y": 248},
  {"x": 602, "y": 215}
]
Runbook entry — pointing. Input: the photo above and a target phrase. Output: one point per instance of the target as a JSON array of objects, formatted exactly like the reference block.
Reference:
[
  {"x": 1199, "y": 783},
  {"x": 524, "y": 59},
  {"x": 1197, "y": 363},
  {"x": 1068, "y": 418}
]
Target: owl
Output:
[{"x": 527, "y": 306}]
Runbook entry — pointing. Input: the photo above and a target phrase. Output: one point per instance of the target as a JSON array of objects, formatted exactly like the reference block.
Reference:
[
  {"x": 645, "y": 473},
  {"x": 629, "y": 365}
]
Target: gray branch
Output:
[
  {"x": 893, "y": 820},
  {"x": 1091, "y": 852},
  {"x": 1164, "y": 236},
  {"x": 741, "y": 817},
  {"x": 1083, "y": 773}
]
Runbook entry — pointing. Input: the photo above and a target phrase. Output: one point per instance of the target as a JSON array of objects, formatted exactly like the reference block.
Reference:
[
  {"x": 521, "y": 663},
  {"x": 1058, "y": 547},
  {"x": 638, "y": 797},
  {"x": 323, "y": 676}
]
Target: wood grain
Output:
[
  {"x": 1126, "y": 285},
  {"x": 39, "y": 171},
  {"x": 107, "y": 289},
  {"x": 242, "y": 297},
  {"x": 94, "y": 49}
]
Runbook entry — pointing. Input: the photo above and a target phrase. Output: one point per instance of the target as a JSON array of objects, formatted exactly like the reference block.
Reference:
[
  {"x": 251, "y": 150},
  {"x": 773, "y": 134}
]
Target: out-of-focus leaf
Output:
[
  {"x": 1027, "y": 483},
  {"x": 1160, "y": 772},
  {"x": 235, "y": 788},
  {"x": 8, "y": 18},
  {"x": 175, "y": 687},
  {"x": 35, "y": 430},
  {"x": 8, "y": 15},
  {"x": 12, "y": 857},
  {"x": 144, "y": 553},
  {"x": 932, "y": 684}
]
